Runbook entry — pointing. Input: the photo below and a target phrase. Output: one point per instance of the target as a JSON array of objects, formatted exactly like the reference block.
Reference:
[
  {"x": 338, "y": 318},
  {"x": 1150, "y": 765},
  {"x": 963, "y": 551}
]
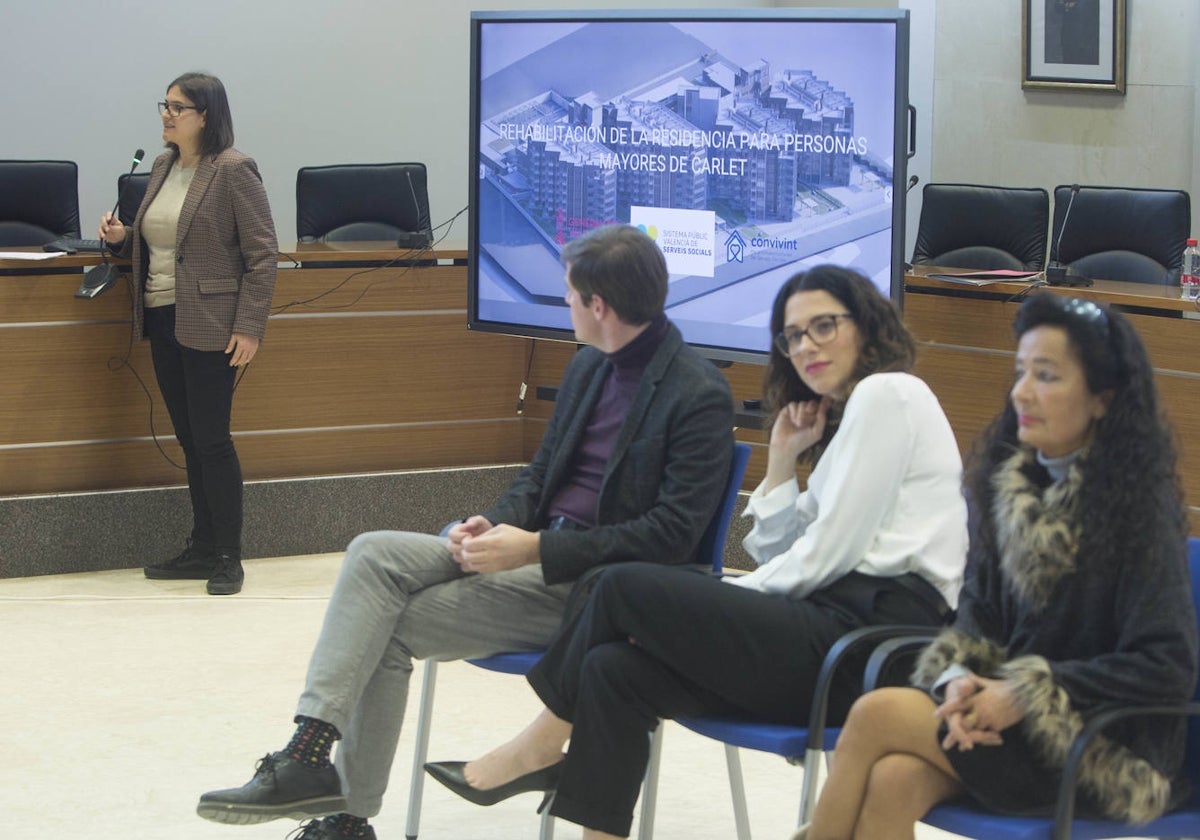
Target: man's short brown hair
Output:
[{"x": 622, "y": 265}]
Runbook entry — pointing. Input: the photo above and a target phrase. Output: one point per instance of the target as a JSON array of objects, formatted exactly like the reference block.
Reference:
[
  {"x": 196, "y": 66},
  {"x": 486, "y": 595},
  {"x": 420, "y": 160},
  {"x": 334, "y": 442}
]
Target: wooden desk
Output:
[
  {"x": 376, "y": 372},
  {"x": 967, "y": 350}
]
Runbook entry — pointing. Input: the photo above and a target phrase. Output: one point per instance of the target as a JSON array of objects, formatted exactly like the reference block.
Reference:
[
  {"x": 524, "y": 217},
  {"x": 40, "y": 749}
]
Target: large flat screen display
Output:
[{"x": 748, "y": 144}]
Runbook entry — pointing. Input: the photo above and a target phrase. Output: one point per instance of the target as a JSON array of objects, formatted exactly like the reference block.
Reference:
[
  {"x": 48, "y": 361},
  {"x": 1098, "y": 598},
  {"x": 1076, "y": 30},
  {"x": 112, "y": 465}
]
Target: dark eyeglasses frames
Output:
[{"x": 820, "y": 330}]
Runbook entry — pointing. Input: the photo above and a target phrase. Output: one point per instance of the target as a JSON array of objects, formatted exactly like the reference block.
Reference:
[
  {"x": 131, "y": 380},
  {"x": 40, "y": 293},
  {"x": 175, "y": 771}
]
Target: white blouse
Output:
[{"x": 884, "y": 499}]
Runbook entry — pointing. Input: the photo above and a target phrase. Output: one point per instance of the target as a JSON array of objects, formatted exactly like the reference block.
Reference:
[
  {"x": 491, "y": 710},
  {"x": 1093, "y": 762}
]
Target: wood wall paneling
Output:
[
  {"x": 375, "y": 370},
  {"x": 967, "y": 356},
  {"x": 364, "y": 368}
]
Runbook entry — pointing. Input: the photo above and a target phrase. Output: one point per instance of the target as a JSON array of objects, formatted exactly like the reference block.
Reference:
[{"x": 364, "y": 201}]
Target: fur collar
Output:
[{"x": 1037, "y": 527}]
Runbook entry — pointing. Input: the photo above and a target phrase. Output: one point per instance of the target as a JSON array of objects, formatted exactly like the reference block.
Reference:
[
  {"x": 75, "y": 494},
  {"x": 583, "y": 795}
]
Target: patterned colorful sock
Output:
[
  {"x": 347, "y": 825},
  {"x": 312, "y": 742}
]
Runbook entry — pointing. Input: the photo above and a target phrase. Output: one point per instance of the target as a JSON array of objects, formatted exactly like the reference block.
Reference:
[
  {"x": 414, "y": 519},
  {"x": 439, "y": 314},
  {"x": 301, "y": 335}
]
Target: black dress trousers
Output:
[{"x": 662, "y": 642}]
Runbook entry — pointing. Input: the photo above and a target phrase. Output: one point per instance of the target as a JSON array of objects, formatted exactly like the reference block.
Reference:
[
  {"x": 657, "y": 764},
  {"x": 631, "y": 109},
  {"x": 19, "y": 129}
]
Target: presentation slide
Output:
[{"x": 747, "y": 149}]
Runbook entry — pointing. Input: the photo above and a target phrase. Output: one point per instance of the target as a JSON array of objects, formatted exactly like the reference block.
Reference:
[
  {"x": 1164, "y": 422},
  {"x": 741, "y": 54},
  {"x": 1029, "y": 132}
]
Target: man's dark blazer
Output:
[
  {"x": 664, "y": 479},
  {"x": 226, "y": 253}
]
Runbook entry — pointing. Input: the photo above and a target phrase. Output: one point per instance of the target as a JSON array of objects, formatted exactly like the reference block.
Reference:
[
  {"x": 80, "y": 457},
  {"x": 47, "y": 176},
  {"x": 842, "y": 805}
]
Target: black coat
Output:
[
  {"x": 1075, "y": 635},
  {"x": 664, "y": 479}
]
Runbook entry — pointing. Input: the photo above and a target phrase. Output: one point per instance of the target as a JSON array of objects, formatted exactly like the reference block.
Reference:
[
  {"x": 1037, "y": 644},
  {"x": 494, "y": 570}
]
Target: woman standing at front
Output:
[{"x": 204, "y": 256}]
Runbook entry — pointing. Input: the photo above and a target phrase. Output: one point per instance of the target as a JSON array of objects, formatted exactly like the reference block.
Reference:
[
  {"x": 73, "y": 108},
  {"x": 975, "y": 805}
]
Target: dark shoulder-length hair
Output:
[
  {"x": 884, "y": 343},
  {"x": 1129, "y": 499},
  {"x": 208, "y": 94}
]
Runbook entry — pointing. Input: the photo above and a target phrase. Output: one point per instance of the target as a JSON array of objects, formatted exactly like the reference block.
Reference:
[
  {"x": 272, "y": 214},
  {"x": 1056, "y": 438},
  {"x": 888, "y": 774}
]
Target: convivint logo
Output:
[{"x": 649, "y": 230}]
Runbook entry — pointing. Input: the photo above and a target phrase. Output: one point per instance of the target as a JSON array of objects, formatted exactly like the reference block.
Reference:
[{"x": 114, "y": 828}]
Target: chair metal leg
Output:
[
  {"x": 812, "y": 778},
  {"x": 737, "y": 788},
  {"x": 650, "y": 784},
  {"x": 546, "y": 830},
  {"x": 416, "y": 786}
]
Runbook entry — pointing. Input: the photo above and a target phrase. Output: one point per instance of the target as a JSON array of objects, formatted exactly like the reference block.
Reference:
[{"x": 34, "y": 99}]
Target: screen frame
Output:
[{"x": 901, "y": 150}]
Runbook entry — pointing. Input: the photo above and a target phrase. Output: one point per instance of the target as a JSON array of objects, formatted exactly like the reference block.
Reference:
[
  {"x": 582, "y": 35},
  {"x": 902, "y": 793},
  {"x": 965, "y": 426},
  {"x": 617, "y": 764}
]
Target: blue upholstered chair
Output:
[
  {"x": 960, "y": 818},
  {"x": 803, "y": 745},
  {"x": 968, "y": 821},
  {"x": 711, "y": 552}
]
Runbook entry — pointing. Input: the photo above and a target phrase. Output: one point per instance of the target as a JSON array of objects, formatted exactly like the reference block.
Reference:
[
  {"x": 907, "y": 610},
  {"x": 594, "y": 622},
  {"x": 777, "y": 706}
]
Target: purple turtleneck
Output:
[{"x": 579, "y": 494}]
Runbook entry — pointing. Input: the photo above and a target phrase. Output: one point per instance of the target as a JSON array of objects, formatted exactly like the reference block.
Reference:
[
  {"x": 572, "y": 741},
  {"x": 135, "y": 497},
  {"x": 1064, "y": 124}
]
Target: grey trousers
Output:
[{"x": 401, "y": 596}]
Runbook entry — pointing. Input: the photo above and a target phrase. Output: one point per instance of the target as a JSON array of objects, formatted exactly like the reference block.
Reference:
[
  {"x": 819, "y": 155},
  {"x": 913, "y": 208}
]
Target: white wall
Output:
[
  {"x": 314, "y": 82},
  {"x": 310, "y": 82},
  {"x": 988, "y": 130}
]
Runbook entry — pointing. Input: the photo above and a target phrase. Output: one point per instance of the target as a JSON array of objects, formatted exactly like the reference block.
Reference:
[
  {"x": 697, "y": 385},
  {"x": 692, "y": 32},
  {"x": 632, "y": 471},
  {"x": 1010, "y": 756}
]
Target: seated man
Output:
[{"x": 631, "y": 467}]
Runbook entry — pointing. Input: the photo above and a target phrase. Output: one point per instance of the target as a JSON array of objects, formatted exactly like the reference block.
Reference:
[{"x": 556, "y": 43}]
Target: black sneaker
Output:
[
  {"x": 227, "y": 577},
  {"x": 190, "y": 564},
  {"x": 326, "y": 829},
  {"x": 281, "y": 787}
]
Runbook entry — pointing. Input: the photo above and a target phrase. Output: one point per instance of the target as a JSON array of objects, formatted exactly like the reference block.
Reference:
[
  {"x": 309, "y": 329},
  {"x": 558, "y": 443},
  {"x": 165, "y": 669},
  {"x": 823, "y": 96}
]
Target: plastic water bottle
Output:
[{"x": 1189, "y": 278}]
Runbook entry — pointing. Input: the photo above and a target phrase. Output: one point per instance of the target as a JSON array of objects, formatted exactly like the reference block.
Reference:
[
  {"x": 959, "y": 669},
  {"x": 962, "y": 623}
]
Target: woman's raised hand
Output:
[{"x": 797, "y": 427}]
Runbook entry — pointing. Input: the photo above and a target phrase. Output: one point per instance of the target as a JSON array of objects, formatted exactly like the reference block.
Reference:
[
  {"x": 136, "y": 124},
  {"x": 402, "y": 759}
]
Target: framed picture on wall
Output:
[{"x": 1073, "y": 45}]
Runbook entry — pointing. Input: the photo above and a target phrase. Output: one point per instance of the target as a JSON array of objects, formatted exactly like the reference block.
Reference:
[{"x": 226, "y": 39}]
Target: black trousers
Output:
[
  {"x": 197, "y": 387},
  {"x": 660, "y": 642}
]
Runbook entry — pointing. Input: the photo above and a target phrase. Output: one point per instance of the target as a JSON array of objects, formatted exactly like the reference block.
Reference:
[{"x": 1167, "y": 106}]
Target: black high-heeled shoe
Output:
[{"x": 451, "y": 774}]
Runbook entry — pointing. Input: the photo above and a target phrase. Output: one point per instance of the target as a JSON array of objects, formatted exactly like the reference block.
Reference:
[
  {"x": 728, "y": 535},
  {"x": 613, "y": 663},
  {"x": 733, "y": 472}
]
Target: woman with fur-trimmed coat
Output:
[{"x": 1078, "y": 599}]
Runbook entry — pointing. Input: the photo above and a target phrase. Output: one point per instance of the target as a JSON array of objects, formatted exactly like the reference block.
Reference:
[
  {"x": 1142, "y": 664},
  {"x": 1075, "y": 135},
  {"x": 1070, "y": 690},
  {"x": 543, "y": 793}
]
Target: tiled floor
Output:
[{"x": 123, "y": 699}]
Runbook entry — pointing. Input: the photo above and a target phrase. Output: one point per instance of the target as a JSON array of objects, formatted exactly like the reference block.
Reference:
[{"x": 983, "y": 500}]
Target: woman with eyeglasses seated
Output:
[
  {"x": 878, "y": 536},
  {"x": 1078, "y": 599},
  {"x": 204, "y": 258}
]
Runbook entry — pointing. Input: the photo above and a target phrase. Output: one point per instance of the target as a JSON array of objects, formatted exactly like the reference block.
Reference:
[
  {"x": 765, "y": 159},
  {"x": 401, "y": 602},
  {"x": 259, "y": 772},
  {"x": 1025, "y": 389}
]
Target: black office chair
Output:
[
  {"x": 1117, "y": 233},
  {"x": 39, "y": 201},
  {"x": 364, "y": 203},
  {"x": 131, "y": 189},
  {"x": 982, "y": 227}
]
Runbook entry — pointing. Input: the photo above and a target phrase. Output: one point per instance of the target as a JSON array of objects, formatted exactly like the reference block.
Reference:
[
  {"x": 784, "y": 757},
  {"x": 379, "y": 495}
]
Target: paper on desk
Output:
[
  {"x": 30, "y": 255},
  {"x": 987, "y": 278}
]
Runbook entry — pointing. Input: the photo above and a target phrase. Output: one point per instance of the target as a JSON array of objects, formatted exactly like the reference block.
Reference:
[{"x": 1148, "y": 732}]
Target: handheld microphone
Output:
[
  {"x": 99, "y": 277},
  {"x": 1058, "y": 274}
]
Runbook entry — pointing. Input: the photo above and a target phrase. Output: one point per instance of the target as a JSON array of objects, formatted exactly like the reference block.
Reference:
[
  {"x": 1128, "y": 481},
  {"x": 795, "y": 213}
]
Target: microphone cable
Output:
[
  {"x": 404, "y": 256},
  {"x": 525, "y": 382},
  {"x": 115, "y": 364},
  {"x": 1024, "y": 293}
]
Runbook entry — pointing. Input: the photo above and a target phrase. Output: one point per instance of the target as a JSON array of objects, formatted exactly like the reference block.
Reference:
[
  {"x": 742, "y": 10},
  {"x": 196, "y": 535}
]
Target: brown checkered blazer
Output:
[{"x": 225, "y": 252}]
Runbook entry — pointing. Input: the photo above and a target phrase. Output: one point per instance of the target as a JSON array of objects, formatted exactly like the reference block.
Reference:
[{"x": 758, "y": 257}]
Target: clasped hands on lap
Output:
[
  {"x": 479, "y": 546},
  {"x": 976, "y": 710}
]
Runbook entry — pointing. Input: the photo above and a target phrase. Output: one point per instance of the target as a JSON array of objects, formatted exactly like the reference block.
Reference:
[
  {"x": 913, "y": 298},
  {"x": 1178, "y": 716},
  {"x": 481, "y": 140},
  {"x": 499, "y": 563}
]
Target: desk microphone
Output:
[
  {"x": 99, "y": 277},
  {"x": 912, "y": 182},
  {"x": 1058, "y": 274},
  {"x": 414, "y": 240}
]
